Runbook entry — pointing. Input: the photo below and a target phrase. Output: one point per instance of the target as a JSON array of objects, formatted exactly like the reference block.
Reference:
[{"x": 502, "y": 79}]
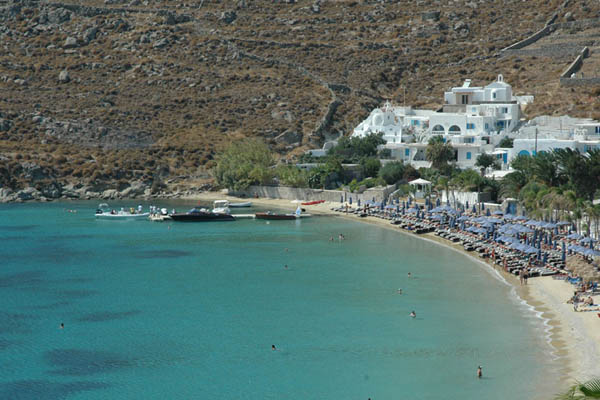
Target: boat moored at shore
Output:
[
  {"x": 201, "y": 215},
  {"x": 103, "y": 212}
]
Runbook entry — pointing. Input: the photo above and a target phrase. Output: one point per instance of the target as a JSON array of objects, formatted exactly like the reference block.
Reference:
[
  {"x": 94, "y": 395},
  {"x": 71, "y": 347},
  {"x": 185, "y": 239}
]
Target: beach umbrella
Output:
[
  {"x": 497, "y": 212},
  {"x": 574, "y": 236},
  {"x": 563, "y": 223},
  {"x": 508, "y": 216},
  {"x": 586, "y": 240}
]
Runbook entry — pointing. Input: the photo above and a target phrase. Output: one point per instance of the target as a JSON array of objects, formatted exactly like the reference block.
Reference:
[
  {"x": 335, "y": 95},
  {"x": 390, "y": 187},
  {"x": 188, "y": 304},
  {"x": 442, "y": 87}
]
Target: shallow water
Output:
[{"x": 176, "y": 310}]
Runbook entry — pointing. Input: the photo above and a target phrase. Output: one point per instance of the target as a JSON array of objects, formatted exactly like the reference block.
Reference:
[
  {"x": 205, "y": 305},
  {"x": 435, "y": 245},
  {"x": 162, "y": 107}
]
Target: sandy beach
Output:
[{"x": 575, "y": 336}]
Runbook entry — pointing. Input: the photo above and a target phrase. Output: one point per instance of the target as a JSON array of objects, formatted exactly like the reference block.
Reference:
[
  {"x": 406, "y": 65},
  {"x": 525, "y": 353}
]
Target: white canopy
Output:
[{"x": 419, "y": 182}]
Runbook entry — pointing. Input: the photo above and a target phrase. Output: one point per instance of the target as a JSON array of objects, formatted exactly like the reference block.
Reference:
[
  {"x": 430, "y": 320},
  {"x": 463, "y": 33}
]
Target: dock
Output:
[{"x": 252, "y": 216}]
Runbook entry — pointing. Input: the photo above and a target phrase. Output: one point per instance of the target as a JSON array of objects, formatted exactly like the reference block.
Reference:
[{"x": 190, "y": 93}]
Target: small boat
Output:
[
  {"x": 273, "y": 216},
  {"x": 221, "y": 207},
  {"x": 312, "y": 203},
  {"x": 103, "y": 212},
  {"x": 201, "y": 215},
  {"x": 240, "y": 205}
]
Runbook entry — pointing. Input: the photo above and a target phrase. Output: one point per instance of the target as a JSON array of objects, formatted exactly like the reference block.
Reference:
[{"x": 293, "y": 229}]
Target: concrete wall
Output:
[
  {"x": 462, "y": 198},
  {"x": 305, "y": 194}
]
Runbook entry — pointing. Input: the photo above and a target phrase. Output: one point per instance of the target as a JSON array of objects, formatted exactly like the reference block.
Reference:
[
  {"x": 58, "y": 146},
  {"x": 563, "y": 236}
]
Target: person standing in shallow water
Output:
[{"x": 479, "y": 372}]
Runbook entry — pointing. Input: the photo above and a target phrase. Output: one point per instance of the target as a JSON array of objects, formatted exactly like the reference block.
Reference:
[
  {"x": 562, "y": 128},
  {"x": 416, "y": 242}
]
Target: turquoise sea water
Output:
[{"x": 190, "y": 311}]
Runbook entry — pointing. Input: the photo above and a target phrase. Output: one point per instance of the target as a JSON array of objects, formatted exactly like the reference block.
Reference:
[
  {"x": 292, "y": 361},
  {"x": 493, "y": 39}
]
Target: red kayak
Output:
[{"x": 311, "y": 203}]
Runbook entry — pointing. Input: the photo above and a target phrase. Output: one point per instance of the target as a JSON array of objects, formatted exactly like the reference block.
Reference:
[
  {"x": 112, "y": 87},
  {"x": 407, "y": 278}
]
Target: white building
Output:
[{"x": 474, "y": 120}]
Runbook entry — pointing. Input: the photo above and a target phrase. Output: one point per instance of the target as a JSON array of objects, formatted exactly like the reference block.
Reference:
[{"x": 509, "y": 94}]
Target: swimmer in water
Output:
[
  {"x": 285, "y": 266},
  {"x": 413, "y": 314},
  {"x": 273, "y": 347},
  {"x": 62, "y": 325},
  {"x": 399, "y": 291},
  {"x": 479, "y": 372},
  {"x": 409, "y": 275},
  {"x": 331, "y": 239}
]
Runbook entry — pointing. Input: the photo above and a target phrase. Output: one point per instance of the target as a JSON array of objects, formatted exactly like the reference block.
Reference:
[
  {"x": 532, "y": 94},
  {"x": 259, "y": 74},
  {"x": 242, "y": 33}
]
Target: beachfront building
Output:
[
  {"x": 473, "y": 119},
  {"x": 545, "y": 134}
]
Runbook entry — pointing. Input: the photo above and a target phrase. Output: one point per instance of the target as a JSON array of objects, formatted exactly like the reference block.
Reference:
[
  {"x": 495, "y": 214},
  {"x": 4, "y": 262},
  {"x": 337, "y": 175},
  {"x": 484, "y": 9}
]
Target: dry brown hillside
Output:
[{"x": 114, "y": 90}]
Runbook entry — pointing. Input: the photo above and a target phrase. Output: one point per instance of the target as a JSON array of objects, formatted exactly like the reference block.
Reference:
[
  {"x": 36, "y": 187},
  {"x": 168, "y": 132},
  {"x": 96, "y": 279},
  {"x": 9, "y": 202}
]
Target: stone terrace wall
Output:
[
  {"x": 578, "y": 82},
  {"x": 575, "y": 65},
  {"x": 291, "y": 193}
]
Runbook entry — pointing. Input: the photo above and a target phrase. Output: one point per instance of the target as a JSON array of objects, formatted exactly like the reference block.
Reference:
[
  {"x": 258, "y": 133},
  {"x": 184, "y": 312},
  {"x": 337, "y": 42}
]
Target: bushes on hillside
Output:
[{"x": 244, "y": 163}]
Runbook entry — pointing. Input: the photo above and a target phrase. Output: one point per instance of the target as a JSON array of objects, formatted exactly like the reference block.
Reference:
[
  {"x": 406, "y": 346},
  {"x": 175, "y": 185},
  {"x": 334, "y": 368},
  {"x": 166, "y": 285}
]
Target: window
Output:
[
  {"x": 474, "y": 109},
  {"x": 487, "y": 126},
  {"x": 415, "y": 122},
  {"x": 505, "y": 110},
  {"x": 494, "y": 95},
  {"x": 598, "y": 129},
  {"x": 470, "y": 126},
  {"x": 465, "y": 99},
  {"x": 406, "y": 152},
  {"x": 468, "y": 155},
  {"x": 500, "y": 124}
]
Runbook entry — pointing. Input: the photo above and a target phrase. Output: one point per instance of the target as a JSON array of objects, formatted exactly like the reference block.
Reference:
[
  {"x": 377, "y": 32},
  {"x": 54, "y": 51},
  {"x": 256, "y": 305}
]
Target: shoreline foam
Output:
[{"x": 572, "y": 337}]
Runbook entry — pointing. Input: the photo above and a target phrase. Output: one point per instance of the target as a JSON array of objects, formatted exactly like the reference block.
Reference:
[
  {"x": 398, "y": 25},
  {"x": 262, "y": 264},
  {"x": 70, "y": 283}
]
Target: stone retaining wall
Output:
[
  {"x": 575, "y": 65},
  {"x": 291, "y": 193},
  {"x": 578, "y": 82}
]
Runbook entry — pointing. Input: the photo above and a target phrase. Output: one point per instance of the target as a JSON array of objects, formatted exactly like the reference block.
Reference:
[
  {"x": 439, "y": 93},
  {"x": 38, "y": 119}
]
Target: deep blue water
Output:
[{"x": 182, "y": 311}]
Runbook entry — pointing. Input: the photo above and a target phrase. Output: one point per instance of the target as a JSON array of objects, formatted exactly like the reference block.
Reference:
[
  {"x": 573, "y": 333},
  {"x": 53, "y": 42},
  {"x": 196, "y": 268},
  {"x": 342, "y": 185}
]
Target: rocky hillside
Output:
[{"x": 99, "y": 94}]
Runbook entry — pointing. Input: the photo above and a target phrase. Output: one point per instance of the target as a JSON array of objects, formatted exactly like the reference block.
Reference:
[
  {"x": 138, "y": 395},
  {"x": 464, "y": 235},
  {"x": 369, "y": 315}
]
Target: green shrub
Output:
[{"x": 392, "y": 172}]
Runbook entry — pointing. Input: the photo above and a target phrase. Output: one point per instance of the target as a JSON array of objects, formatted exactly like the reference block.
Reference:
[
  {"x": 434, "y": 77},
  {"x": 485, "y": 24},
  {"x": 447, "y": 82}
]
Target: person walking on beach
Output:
[
  {"x": 526, "y": 275},
  {"x": 479, "y": 372},
  {"x": 521, "y": 276}
]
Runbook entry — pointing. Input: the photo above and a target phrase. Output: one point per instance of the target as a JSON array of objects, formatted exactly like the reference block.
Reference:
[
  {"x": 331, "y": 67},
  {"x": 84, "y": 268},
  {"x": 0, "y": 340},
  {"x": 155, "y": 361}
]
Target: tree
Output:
[
  {"x": 439, "y": 153},
  {"x": 352, "y": 149},
  {"x": 582, "y": 391},
  {"x": 326, "y": 175},
  {"x": 506, "y": 142},
  {"x": 244, "y": 163},
  {"x": 392, "y": 172},
  {"x": 370, "y": 166},
  {"x": 293, "y": 176},
  {"x": 485, "y": 160}
]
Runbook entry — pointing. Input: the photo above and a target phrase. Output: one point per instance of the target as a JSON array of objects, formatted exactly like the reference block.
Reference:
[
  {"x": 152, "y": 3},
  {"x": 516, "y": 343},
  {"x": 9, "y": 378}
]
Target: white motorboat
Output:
[
  {"x": 221, "y": 207},
  {"x": 240, "y": 205},
  {"x": 104, "y": 212}
]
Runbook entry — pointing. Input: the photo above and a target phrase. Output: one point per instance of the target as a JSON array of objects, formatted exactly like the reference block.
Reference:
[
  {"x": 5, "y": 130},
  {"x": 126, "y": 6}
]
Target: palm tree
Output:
[
  {"x": 439, "y": 153},
  {"x": 582, "y": 391}
]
